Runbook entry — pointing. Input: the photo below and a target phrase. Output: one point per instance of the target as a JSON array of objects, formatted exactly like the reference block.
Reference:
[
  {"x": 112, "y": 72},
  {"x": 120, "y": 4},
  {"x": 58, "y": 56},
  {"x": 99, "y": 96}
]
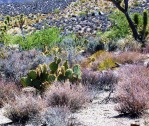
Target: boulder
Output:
[
  {"x": 146, "y": 63},
  {"x": 4, "y": 120},
  {"x": 29, "y": 90}
]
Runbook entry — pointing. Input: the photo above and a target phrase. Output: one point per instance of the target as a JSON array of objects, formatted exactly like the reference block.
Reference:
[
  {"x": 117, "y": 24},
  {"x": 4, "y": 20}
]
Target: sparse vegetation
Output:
[
  {"x": 38, "y": 40},
  {"x": 132, "y": 91},
  {"x": 67, "y": 95},
  {"x": 74, "y": 64}
]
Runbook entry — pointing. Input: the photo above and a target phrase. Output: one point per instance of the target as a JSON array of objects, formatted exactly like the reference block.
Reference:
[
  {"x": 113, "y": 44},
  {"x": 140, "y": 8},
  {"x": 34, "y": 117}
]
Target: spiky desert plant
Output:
[
  {"x": 42, "y": 76},
  {"x": 21, "y": 22},
  {"x": 137, "y": 36},
  {"x": 38, "y": 78}
]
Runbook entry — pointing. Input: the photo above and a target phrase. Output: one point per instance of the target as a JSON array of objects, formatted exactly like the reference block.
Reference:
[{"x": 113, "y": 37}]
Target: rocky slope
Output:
[{"x": 34, "y": 7}]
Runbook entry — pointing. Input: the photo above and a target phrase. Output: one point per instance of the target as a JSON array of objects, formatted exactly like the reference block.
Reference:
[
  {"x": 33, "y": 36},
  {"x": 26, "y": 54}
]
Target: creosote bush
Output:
[
  {"x": 66, "y": 95},
  {"x": 132, "y": 90}
]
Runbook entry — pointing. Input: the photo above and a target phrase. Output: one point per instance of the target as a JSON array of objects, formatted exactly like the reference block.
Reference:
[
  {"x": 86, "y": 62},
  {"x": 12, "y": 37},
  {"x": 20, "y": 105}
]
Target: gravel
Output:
[{"x": 34, "y": 7}]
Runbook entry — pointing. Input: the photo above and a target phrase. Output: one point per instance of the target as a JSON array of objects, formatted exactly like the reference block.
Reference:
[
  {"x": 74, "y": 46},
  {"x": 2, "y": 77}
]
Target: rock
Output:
[
  {"x": 33, "y": 7},
  {"x": 4, "y": 120},
  {"x": 146, "y": 63},
  {"x": 101, "y": 13},
  {"x": 29, "y": 90},
  {"x": 134, "y": 125},
  {"x": 88, "y": 29}
]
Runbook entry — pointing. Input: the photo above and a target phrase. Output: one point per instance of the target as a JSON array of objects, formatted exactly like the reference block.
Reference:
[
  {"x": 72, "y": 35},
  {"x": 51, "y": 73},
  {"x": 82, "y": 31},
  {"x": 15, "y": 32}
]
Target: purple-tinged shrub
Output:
[
  {"x": 24, "y": 108},
  {"x": 56, "y": 116},
  {"x": 132, "y": 90},
  {"x": 17, "y": 64},
  {"x": 129, "y": 57},
  {"x": 99, "y": 80},
  {"x": 65, "y": 95},
  {"x": 8, "y": 90}
]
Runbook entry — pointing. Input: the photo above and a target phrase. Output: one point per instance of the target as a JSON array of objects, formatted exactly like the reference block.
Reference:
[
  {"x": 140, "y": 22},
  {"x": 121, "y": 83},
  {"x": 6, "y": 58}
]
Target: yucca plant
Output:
[{"x": 140, "y": 36}]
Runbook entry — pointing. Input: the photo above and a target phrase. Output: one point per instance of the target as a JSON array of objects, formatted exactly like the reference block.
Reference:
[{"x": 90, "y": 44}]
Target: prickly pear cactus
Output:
[
  {"x": 54, "y": 65},
  {"x": 68, "y": 73},
  {"x": 32, "y": 74},
  {"x": 26, "y": 81},
  {"x": 77, "y": 71},
  {"x": 41, "y": 77},
  {"x": 51, "y": 78},
  {"x": 66, "y": 65},
  {"x": 37, "y": 78}
]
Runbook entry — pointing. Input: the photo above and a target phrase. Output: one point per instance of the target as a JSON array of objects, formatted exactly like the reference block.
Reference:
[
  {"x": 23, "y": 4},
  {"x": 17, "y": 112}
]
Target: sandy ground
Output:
[{"x": 97, "y": 114}]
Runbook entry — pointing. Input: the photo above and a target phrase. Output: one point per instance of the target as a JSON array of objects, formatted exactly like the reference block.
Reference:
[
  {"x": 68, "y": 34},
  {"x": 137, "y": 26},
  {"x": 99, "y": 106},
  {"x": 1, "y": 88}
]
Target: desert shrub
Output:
[
  {"x": 119, "y": 28},
  {"x": 7, "y": 92},
  {"x": 102, "y": 61},
  {"x": 56, "y": 117},
  {"x": 94, "y": 45},
  {"x": 90, "y": 77},
  {"x": 23, "y": 108},
  {"x": 128, "y": 44},
  {"x": 73, "y": 46},
  {"x": 129, "y": 57},
  {"x": 107, "y": 64},
  {"x": 17, "y": 64},
  {"x": 37, "y": 39},
  {"x": 132, "y": 90},
  {"x": 64, "y": 95},
  {"x": 146, "y": 48},
  {"x": 99, "y": 80}
]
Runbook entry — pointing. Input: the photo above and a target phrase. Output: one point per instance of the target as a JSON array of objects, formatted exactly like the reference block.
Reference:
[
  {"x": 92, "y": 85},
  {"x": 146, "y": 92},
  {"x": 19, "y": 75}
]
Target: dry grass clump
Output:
[
  {"x": 99, "y": 80},
  {"x": 64, "y": 95},
  {"x": 8, "y": 90},
  {"x": 128, "y": 44},
  {"x": 17, "y": 64},
  {"x": 56, "y": 116},
  {"x": 132, "y": 90},
  {"x": 102, "y": 60},
  {"x": 129, "y": 57},
  {"x": 23, "y": 108},
  {"x": 146, "y": 48}
]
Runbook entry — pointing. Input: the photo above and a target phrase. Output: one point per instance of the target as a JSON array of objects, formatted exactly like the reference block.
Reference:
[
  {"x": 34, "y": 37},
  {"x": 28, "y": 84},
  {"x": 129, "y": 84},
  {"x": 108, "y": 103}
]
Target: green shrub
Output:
[
  {"x": 82, "y": 13},
  {"x": 108, "y": 63},
  {"x": 119, "y": 29},
  {"x": 38, "y": 39},
  {"x": 57, "y": 11}
]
